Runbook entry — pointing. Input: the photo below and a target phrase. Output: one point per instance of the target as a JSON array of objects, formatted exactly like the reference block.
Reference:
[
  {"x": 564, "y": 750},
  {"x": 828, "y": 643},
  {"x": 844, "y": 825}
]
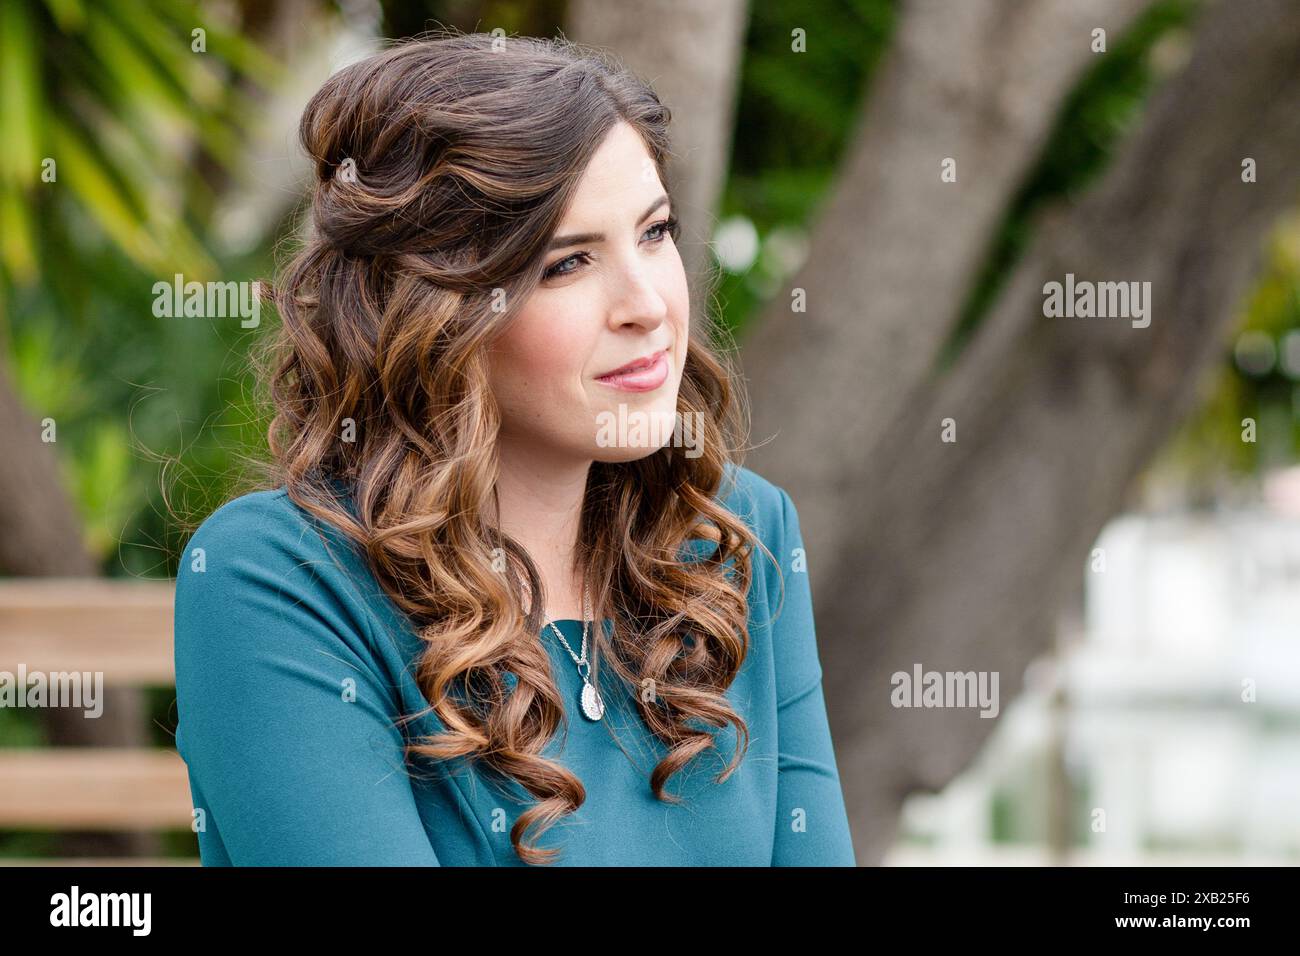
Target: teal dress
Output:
[{"x": 293, "y": 667}]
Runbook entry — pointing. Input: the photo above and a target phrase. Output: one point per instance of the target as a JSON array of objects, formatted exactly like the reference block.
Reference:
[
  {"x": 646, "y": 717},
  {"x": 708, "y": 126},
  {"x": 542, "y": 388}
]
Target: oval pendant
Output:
[{"x": 592, "y": 706}]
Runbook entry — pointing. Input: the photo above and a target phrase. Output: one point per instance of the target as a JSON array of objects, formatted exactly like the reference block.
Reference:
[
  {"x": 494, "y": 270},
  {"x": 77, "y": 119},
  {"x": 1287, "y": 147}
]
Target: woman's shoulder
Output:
[
  {"x": 236, "y": 514},
  {"x": 252, "y": 524},
  {"x": 262, "y": 559},
  {"x": 264, "y": 534},
  {"x": 265, "y": 521}
]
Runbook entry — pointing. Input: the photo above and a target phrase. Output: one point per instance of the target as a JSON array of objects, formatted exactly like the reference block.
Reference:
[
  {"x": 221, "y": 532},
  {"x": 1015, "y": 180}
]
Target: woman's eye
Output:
[
  {"x": 667, "y": 227},
  {"x": 555, "y": 270}
]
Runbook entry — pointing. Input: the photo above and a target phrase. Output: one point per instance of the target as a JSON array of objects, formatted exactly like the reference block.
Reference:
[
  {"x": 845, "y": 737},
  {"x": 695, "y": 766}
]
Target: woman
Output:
[{"x": 481, "y": 345}]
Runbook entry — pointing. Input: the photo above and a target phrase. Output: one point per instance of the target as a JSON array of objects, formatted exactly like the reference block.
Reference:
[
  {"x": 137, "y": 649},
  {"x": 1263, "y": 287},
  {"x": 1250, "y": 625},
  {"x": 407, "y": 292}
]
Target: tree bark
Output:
[
  {"x": 958, "y": 555},
  {"x": 895, "y": 249}
]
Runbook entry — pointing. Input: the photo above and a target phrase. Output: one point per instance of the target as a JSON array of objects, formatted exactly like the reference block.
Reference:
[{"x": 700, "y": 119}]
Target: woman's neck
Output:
[{"x": 540, "y": 501}]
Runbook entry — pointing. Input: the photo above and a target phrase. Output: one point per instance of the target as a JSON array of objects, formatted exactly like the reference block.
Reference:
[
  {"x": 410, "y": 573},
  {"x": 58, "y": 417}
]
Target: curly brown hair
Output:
[{"x": 443, "y": 166}]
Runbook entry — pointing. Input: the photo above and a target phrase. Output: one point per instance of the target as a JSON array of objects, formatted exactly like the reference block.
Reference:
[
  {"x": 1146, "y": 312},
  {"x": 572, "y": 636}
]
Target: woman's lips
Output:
[{"x": 645, "y": 379}]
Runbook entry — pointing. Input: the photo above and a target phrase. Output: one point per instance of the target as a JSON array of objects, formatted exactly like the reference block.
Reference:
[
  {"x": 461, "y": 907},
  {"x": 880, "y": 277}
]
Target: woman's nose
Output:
[{"x": 640, "y": 303}]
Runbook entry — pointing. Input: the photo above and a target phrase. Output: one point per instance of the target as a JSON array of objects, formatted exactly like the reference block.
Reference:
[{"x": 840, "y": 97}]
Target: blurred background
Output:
[{"x": 1105, "y": 515}]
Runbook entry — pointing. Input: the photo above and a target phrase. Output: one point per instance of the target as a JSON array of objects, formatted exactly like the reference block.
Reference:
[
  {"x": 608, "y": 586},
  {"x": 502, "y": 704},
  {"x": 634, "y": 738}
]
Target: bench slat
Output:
[
  {"x": 94, "y": 788},
  {"x": 122, "y": 628}
]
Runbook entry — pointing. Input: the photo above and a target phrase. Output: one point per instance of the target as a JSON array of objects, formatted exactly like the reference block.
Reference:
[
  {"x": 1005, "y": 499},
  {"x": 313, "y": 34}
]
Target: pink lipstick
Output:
[{"x": 642, "y": 375}]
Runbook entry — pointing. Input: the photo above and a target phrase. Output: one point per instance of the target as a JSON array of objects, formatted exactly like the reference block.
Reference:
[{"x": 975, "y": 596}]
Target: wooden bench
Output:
[{"x": 122, "y": 628}]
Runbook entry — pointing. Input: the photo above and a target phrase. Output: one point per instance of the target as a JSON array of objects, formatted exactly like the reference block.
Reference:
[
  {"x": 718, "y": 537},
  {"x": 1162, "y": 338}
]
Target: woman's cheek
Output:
[{"x": 556, "y": 365}]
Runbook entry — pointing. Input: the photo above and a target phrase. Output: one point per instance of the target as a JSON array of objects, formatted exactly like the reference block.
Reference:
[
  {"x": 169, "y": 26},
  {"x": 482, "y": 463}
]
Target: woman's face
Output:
[{"x": 614, "y": 296}]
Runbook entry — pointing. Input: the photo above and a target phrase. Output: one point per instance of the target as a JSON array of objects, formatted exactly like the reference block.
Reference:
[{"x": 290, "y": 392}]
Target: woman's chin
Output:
[{"x": 628, "y": 432}]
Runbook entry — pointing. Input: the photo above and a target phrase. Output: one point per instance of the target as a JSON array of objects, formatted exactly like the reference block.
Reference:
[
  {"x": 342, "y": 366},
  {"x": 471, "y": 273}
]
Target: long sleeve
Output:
[
  {"x": 812, "y": 827},
  {"x": 283, "y": 720}
]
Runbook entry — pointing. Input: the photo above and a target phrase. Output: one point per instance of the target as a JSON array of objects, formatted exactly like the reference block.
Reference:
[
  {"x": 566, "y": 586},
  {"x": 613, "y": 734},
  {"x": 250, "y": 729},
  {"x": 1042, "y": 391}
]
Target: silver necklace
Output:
[{"x": 593, "y": 708}]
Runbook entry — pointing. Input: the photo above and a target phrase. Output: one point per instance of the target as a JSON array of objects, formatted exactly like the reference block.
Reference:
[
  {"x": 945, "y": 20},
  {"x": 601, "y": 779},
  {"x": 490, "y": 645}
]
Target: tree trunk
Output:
[
  {"x": 958, "y": 555},
  {"x": 896, "y": 249}
]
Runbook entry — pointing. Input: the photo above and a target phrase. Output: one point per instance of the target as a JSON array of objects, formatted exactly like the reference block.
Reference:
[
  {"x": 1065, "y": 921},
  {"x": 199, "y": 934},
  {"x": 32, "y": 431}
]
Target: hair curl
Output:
[{"x": 443, "y": 167}]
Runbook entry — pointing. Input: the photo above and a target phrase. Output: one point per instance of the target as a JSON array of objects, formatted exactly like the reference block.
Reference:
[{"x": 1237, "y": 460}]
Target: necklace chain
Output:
[{"x": 592, "y": 705}]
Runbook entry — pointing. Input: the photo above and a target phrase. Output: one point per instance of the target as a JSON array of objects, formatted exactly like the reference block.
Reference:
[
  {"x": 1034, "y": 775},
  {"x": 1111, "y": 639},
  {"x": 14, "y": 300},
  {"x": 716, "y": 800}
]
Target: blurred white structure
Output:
[{"x": 1169, "y": 730}]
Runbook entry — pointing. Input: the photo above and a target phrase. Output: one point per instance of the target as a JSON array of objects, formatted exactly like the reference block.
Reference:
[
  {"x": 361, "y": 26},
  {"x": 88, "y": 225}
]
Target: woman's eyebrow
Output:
[{"x": 583, "y": 238}]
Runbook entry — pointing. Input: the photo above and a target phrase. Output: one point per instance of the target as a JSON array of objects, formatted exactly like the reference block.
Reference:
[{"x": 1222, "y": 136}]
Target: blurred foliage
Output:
[
  {"x": 1208, "y": 449},
  {"x": 794, "y": 115},
  {"x": 96, "y": 96},
  {"x": 123, "y": 118}
]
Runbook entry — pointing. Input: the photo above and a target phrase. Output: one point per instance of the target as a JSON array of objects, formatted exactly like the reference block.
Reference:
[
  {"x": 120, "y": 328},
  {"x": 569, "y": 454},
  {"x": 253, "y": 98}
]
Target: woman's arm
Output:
[
  {"x": 283, "y": 720},
  {"x": 812, "y": 827}
]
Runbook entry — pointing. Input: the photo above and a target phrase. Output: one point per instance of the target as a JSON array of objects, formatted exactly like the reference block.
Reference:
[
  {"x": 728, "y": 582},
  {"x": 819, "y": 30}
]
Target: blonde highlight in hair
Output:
[{"x": 443, "y": 166}]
